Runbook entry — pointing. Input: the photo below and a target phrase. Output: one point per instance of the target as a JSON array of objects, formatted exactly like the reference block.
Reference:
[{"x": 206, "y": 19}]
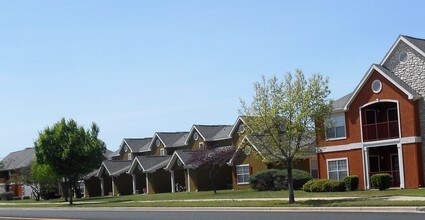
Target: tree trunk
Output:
[
  {"x": 70, "y": 193},
  {"x": 290, "y": 183},
  {"x": 211, "y": 175}
]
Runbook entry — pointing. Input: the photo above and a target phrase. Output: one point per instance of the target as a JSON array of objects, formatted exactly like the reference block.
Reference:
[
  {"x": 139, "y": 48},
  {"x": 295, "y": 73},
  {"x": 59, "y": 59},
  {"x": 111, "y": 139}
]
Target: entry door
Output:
[{"x": 374, "y": 164}]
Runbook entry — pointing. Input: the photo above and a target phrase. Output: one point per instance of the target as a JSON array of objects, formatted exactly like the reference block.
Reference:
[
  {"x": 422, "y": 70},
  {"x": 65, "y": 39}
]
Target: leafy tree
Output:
[
  {"x": 41, "y": 179},
  {"x": 211, "y": 160},
  {"x": 70, "y": 150},
  {"x": 282, "y": 117}
]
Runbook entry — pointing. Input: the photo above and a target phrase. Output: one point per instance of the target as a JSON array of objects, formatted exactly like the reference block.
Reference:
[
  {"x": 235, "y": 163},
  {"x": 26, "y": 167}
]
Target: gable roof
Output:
[
  {"x": 137, "y": 144},
  {"x": 168, "y": 139},
  {"x": 149, "y": 164},
  {"x": 343, "y": 103},
  {"x": 416, "y": 43},
  {"x": 114, "y": 167},
  {"x": 211, "y": 132},
  {"x": 235, "y": 127},
  {"x": 18, "y": 159},
  {"x": 182, "y": 155}
]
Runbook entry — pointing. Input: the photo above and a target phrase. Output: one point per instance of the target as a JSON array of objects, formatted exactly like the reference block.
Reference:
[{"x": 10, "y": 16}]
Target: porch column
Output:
[
  {"x": 85, "y": 191},
  {"x": 102, "y": 187},
  {"x": 188, "y": 180},
  {"x": 173, "y": 186},
  {"x": 113, "y": 186},
  {"x": 133, "y": 176},
  {"x": 147, "y": 184},
  {"x": 401, "y": 164},
  {"x": 366, "y": 159}
]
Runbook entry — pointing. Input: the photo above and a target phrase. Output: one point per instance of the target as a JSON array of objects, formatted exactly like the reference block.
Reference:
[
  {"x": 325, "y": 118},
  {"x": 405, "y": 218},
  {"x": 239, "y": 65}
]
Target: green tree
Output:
[
  {"x": 41, "y": 179},
  {"x": 282, "y": 117},
  {"x": 70, "y": 150}
]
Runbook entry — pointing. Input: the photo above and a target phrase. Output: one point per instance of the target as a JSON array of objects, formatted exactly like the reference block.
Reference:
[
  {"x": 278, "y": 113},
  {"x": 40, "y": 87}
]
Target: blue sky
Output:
[{"x": 137, "y": 67}]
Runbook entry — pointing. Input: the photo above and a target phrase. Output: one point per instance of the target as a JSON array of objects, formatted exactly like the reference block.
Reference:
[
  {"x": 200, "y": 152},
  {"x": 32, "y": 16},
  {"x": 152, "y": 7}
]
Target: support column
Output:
[
  {"x": 85, "y": 190},
  {"x": 173, "y": 185},
  {"x": 147, "y": 184},
  {"x": 188, "y": 180},
  {"x": 102, "y": 187},
  {"x": 113, "y": 186},
  {"x": 401, "y": 165},
  {"x": 133, "y": 176},
  {"x": 366, "y": 159}
]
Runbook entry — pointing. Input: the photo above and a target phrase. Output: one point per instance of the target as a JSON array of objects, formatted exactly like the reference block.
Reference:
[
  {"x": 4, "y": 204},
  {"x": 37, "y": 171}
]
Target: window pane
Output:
[
  {"x": 246, "y": 178},
  {"x": 342, "y": 165},
  {"x": 239, "y": 170},
  {"x": 332, "y": 165},
  {"x": 333, "y": 175},
  {"x": 342, "y": 174},
  {"x": 240, "y": 179},
  {"x": 339, "y": 120},
  {"x": 330, "y": 132},
  {"x": 246, "y": 169},
  {"x": 340, "y": 131}
]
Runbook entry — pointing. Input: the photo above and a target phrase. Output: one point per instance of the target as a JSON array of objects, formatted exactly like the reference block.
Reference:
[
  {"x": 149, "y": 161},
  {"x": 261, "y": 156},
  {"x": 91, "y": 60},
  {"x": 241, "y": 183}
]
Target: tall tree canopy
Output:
[
  {"x": 70, "y": 150},
  {"x": 283, "y": 114}
]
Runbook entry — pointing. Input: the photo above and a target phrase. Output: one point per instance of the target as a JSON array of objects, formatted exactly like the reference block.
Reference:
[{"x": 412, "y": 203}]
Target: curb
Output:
[{"x": 396, "y": 209}]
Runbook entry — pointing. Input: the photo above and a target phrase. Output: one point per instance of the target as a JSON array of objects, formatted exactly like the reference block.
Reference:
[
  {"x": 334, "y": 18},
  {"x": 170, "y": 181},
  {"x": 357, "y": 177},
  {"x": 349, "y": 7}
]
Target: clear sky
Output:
[{"x": 137, "y": 67}]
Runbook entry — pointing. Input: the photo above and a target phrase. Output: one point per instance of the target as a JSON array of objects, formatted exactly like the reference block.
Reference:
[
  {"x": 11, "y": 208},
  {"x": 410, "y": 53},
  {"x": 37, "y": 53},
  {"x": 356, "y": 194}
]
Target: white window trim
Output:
[
  {"x": 201, "y": 144},
  {"x": 345, "y": 130},
  {"x": 129, "y": 157},
  {"x": 161, "y": 152},
  {"x": 242, "y": 165},
  {"x": 334, "y": 159}
]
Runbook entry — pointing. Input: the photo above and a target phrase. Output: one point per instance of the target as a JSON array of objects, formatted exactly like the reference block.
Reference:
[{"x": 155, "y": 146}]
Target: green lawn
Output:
[{"x": 174, "y": 199}]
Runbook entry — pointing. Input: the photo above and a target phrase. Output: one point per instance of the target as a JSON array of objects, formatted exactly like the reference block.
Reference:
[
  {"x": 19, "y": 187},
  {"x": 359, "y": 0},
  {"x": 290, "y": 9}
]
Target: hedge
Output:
[
  {"x": 324, "y": 185},
  {"x": 381, "y": 181},
  {"x": 6, "y": 196},
  {"x": 274, "y": 179},
  {"x": 351, "y": 182}
]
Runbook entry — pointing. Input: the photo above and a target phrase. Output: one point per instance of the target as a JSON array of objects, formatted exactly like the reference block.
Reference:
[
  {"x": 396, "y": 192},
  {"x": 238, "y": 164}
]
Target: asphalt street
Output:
[{"x": 28, "y": 214}]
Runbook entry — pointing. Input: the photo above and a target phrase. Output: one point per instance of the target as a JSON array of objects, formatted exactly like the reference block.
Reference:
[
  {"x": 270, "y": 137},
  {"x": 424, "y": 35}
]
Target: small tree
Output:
[
  {"x": 212, "y": 160},
  {"x": 41, "y": 179},
  {"x": 70, "y": 150},
  {"x": 282, "y": 117}
]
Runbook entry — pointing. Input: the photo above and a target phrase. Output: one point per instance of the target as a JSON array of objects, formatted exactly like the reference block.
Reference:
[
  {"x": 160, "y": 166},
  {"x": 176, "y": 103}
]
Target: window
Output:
[
  {"x": 242, "y": 173},
  {"x": 195, "y": 136},
  {"x": 402, "y": 57},
  {"x": 161, "y": 152},
  {"x": 337, "y": 168},
  {"x": 336, "y": 126},
  {"x": 158, "y": 142},
  {"x": 241, "y": 128},
  {"x": 376, "y": 86},
  {"x": 201, "y": 146},
  {"x": 129, "y": 156}
]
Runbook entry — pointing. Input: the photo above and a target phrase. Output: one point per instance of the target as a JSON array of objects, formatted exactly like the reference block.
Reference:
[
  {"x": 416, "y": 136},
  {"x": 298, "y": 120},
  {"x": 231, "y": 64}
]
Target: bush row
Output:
[
  {"x": 329, "y": 185},
  {"x": 6, "y": 196},
  {"x": 274, "y": 179}
]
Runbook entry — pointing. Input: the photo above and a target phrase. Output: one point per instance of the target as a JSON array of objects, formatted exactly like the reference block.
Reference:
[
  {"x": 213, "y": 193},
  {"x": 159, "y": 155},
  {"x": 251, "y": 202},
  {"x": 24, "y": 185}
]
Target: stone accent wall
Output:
[{"x": 413, "y": 73}]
